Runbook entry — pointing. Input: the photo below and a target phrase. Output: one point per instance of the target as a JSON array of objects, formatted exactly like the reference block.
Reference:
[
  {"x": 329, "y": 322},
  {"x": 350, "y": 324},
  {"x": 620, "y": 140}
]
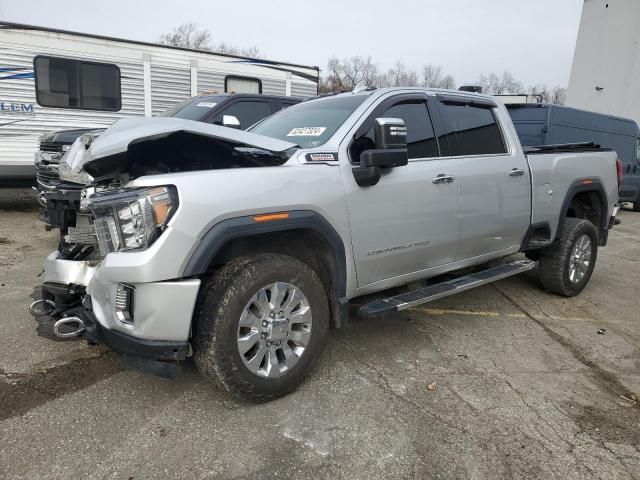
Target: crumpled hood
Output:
[{"x": 123, "y": 143}]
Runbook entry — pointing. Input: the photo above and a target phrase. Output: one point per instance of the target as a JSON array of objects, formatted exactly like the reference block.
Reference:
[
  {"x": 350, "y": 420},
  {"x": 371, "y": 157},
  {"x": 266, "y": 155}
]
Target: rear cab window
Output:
[{"x": 471, "y": 130}]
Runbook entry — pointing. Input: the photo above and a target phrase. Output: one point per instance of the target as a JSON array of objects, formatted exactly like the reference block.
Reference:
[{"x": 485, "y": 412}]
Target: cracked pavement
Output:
[{"x": 525, "y": 387}]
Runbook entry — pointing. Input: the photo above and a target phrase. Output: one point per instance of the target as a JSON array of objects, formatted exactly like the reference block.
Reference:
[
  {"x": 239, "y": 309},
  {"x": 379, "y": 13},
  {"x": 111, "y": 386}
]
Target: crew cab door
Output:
[
  {"x": 408, "y": 221},
  {"x": 495, "y": 197}
]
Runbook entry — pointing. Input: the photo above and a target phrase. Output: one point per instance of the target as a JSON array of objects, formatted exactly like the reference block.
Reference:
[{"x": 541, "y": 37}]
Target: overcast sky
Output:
[{"x": 533, "y": 39}]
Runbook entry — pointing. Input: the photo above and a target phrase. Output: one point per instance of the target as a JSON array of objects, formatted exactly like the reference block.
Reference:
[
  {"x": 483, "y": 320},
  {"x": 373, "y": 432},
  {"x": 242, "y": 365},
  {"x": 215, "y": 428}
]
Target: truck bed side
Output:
[{"x": 557, "y": 178}]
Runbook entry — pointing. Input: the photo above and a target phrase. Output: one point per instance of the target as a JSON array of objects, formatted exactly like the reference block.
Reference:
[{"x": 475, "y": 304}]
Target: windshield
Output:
[
  {"x": 193, "y": 108},
  {"x": 311, "y": 123}
]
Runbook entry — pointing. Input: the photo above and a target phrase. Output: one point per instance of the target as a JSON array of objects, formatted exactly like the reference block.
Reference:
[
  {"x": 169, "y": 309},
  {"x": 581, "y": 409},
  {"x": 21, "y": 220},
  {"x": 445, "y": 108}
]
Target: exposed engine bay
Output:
[{"x": 103, "y": 161}]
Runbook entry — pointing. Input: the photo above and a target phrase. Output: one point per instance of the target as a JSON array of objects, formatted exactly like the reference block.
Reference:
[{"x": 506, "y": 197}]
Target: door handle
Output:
[
  {"x": 442, "y": 178},
  {"x": 516, "y": 172}
]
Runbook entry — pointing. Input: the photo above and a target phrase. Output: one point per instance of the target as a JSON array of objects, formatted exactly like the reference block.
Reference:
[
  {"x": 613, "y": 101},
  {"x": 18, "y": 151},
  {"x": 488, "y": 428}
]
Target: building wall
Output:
[{"x": 607, "y": 56}]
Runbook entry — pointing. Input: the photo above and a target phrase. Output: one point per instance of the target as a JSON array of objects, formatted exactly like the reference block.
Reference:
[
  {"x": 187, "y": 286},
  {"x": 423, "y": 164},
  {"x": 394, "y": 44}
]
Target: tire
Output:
[
  {"x": 636, "y": 206},
  {"x": 247, "y": 288},
  {"x": 557, "y": 273}
]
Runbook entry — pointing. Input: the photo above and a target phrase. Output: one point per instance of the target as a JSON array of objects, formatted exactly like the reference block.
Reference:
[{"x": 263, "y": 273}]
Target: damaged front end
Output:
[{"x": 114, "y": 229}]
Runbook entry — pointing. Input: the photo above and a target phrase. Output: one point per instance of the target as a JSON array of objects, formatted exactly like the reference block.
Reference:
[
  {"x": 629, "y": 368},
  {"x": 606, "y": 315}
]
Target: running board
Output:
[{"x": 444, "y": 289}]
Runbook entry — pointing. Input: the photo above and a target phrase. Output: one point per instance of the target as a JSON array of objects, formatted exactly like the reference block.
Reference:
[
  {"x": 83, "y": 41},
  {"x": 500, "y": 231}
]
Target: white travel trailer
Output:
[{"x": 60, "y": 80}]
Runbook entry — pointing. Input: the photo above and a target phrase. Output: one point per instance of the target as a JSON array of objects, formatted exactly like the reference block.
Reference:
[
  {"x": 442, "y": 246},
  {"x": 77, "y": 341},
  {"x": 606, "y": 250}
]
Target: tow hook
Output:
[
  {"x": 68, "y": 321},
  {"x": 42, "y": 307}
]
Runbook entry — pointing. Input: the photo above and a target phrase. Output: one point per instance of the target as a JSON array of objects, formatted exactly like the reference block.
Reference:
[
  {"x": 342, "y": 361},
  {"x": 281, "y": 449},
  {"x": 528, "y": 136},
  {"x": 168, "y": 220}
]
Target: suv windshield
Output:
[
  {"x": 194, "y": 108},
  {"x": 310, "y": 123}
]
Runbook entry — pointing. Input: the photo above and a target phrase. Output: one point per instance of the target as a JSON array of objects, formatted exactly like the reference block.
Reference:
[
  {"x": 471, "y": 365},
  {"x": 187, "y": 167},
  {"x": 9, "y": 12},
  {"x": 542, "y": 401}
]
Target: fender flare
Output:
[
  {"x": 586, "y": 185},
  {"x": 218, "y": 235}
]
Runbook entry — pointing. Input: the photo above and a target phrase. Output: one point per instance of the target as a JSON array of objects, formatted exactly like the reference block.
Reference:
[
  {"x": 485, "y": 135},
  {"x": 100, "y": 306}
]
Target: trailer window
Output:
[
  {"x": 234, "y": 84},
  {"x": 77, "y": 84},
  {"x": 472, "y": 130}
]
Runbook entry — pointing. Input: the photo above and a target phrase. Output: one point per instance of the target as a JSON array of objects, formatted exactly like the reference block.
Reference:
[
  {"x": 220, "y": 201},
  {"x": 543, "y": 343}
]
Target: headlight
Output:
[{"x": 132, "y": 219}]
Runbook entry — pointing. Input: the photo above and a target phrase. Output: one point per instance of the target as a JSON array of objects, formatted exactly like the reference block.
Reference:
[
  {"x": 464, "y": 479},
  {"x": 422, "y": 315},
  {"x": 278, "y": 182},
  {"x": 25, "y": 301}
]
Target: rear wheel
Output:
[
  {"x": 261, "y": 325},
  {"x": 566, "y": 267}
]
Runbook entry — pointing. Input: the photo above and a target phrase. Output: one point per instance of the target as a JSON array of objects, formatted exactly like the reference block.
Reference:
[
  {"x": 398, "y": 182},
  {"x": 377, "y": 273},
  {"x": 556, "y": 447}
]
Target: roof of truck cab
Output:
[{"x": 384, "y": 90}]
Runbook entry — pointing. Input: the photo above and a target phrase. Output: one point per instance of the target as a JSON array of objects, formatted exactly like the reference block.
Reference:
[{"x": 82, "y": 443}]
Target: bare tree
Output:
[
  {"x": 494, "y": 84},
  {"x": 540, "y": 92},
  {"x": 343, "y": 75},
  {"x": 223, "y": 47},
  {"x": 398, "y": 76},
  {"x": 558, "y": 95},
  {"x": 447, "y": 82},
  {"x": 431, "y": 75},
  {"x": 187, "y": 35}
]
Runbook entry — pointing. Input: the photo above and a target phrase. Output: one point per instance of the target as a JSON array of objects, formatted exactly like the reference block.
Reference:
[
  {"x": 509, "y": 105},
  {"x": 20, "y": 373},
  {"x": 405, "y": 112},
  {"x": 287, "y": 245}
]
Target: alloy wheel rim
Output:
[
  {"x": 274, "y": 330},
  {"x": 580, "y": 259}
]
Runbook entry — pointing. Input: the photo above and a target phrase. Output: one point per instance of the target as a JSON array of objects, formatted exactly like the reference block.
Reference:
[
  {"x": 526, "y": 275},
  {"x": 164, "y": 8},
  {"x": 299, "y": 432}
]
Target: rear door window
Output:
[
  {"x": 247, "y": 112},
  {"x": 471, "y": 130}
]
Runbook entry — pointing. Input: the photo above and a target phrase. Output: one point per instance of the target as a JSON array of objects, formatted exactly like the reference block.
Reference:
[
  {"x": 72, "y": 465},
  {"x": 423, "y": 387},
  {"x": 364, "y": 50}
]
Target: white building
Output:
[{"x": 605, "y": 76}]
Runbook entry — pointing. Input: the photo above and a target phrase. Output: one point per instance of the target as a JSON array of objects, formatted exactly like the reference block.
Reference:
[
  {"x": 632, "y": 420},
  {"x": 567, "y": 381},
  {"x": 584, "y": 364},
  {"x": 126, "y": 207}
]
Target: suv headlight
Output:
[{"x": 131, "y": 219}]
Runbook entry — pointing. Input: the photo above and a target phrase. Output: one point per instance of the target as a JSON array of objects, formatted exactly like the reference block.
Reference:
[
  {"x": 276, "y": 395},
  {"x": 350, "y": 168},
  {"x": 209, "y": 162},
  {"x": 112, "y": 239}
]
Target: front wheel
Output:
[
  {"x": 566, "y": 267},
  {"x": 261, "y": 324}
]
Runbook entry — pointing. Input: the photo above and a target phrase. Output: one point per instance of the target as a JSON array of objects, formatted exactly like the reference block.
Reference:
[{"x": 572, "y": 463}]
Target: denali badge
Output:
[
  {"x": 321, "y": 157},
  {"x": 398, "y": 247}
]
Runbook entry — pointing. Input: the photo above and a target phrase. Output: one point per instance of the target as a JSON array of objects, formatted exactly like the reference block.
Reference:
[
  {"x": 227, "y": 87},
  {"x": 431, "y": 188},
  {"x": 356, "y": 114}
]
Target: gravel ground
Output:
[{"x": 525, "y": 387}]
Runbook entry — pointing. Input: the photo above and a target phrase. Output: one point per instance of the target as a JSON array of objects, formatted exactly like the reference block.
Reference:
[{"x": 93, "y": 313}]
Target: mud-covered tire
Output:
[
  {"x": 555, "y": 262},
  {"x": 222, "y": 302}
]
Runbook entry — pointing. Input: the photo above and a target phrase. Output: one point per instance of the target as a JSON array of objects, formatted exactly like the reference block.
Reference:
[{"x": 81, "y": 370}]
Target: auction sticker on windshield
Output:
[{"x": 306, "y": 132}]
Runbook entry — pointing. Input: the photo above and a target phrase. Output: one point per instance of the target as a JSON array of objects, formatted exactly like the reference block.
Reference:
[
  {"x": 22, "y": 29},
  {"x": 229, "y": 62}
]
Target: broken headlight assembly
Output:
[{"x": 132, "y": 219}]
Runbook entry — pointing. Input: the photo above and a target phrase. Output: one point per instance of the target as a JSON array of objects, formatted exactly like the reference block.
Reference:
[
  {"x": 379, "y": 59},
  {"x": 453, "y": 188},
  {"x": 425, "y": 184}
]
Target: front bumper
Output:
[
  {"x": 161, "y": 312},
  {"x": 128, "y": 345}
]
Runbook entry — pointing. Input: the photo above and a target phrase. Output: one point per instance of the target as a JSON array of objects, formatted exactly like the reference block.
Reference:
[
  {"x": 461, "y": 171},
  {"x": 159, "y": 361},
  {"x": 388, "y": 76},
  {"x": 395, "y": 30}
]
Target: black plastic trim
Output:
[
  {"x": 532, "y": 231},
  {"x": 592, "y": 185},
  {"x": 564, "y": 148},
  {"x": 129, "y": 346},
  {"x": 479, "y": 102},
  {"x": 218, "y": 235}
]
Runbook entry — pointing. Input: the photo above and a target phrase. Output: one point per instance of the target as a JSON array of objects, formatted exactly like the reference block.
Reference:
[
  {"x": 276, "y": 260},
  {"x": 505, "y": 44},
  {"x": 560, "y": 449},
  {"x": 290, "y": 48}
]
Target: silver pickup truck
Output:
[{"x": 242, "y": 249}]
